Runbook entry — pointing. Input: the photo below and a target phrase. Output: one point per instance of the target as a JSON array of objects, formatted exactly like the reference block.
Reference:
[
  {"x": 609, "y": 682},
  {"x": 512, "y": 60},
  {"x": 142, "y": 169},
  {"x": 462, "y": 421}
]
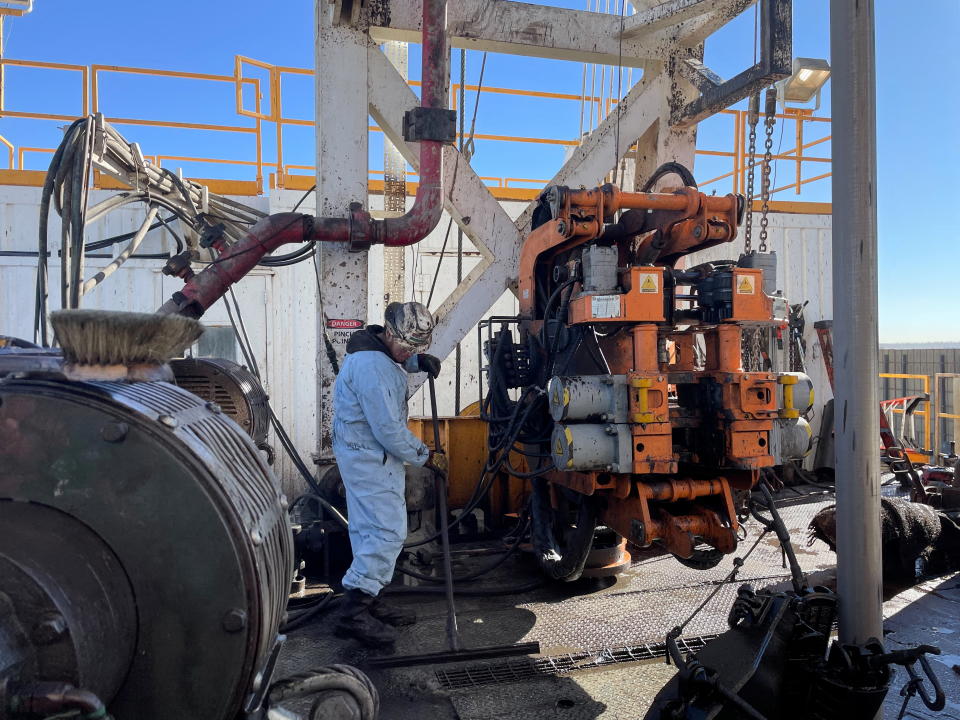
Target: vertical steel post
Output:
[
  {"x": 855, "y": 346},
  {"x": 342, "y": 152}
]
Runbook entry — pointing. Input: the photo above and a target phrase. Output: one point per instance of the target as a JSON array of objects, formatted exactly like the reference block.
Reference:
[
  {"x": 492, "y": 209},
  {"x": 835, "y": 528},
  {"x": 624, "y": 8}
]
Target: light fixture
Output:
[
  {"x": 15, "y": 7},
  {"x": 808, "y": 78}
]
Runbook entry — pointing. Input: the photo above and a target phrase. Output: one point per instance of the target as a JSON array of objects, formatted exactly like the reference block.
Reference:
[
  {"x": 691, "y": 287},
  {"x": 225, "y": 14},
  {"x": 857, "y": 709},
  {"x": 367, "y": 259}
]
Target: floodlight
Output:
[{"x": 808, "y": 78}]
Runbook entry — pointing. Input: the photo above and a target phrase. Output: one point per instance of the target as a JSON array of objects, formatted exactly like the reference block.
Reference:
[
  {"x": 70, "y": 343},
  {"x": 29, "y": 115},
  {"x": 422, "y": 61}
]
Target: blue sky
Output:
[{"x": 918, "y": 142}]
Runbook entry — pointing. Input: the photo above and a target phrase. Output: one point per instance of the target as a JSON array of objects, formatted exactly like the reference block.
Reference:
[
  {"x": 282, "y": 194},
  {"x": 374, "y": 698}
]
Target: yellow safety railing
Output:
[
  {"x": 10, "y": 152},
  {"x": 270, "y": 109},
  {"x": 939, "y": 440},
  {"x": 927, "y": 438}
]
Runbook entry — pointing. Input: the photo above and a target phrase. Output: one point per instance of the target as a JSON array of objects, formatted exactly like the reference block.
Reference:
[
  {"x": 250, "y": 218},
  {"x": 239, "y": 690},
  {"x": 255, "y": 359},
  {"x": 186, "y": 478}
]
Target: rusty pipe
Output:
[
  {"x": 417, "y": 223},
  {"x": 206, "y": 287},
  {"x": 680, "y": 489}
]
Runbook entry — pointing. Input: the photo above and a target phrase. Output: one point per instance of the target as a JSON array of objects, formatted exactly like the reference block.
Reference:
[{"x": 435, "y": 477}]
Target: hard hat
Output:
[{"x": 410, "y": 323}]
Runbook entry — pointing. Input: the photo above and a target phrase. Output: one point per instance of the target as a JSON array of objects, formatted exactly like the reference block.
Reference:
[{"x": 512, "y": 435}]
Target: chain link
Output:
[
  {"x": 769, "y": 121},
  {"x": 753, "y": 117}
]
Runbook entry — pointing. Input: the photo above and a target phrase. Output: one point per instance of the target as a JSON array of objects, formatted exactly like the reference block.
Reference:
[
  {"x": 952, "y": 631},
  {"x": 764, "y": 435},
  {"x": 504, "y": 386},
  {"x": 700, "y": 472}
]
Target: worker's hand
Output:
[
  {"x": 428, "y": 364},
  {"x": 437, "y": 461}
]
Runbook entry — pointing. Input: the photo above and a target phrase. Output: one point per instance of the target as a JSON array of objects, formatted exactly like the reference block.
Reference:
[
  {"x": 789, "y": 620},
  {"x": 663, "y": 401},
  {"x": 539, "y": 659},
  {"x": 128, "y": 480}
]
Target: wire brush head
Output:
[{"x": 107, "y": 337}]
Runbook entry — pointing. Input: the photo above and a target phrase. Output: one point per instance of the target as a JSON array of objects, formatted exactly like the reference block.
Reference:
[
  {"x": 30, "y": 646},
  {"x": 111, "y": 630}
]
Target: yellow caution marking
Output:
[
  {"x": 648, "y": 283},
  {"x": 745, "y": 286}
]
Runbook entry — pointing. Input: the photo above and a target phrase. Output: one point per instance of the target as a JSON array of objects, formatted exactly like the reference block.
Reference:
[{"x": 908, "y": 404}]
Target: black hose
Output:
[
  {"x": 307, "y": 615},
  {"x": 670, "y": 168},
  {"x": 113, "y": 240},
  {"x": 522, "y": 527},
  {"x": 343, "y": 678},
  {"x": 49, "y": 183}
]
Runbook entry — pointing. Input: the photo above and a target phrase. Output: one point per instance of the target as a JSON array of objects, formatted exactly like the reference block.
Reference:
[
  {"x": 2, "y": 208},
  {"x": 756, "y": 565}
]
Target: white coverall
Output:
[{"x": 371, "y": 443}]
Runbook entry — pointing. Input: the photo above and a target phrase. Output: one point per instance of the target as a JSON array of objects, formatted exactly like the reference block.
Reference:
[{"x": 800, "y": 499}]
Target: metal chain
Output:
[
  {"x": 753, "y": 117},
  {"x": 769, "y": 121}
]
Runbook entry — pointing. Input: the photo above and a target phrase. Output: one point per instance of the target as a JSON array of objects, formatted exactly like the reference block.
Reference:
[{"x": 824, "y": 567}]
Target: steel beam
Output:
[
  {"x": 671, "y": 13},
  {"x": 464, "y": 195},
  {"x": 775, "y": 63},
  {"x": 520, "y": 28},
  {"x": 603, "y": 148},
  {"x": 470, "y": 204},
  {"x": 855, "y": 340},
  {"x": 342, "y": 153}
]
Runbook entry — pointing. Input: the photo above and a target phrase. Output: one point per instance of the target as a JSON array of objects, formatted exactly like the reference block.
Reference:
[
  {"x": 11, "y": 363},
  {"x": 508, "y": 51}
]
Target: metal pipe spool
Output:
[
  {"x": 231, "y": 386},
  {"x": 145, "y": 553}
]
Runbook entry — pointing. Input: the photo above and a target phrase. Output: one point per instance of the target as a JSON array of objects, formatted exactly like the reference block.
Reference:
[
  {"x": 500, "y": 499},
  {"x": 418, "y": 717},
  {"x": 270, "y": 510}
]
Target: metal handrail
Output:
[{"x": 272, "y": 111}]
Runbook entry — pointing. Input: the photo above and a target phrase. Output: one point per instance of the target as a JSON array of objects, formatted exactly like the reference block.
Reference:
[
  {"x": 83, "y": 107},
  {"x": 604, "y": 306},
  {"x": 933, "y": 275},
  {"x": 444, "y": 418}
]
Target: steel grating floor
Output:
[
  {"x": 602, "y": 643},
  {"x": 658, "y": 593}
]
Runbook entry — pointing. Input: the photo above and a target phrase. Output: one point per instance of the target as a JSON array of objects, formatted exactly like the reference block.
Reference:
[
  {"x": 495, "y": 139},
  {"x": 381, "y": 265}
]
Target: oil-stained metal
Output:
[
  {"x": 136, "y": 542},
  {"x": 775, "y": 63}
]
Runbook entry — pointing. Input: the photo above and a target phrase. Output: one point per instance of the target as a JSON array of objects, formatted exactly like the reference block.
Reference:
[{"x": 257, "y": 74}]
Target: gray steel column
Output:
[
  {"x": 855, "y": 353},
  {"x": 342, "y": 154}
]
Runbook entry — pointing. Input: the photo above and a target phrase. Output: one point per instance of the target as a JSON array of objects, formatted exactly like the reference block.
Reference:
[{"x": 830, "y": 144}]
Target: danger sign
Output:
[
  {"x": 745, "y": 285},
  {"x": 649, "y": 282},
  {"x": 344, "y": 324}
]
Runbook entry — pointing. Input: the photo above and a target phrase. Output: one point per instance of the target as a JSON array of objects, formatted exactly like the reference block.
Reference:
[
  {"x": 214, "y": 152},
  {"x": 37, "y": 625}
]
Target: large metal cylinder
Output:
[
  {"x": 589, "y": 397},
  {"x": 599, "y": 269},
  {"x": 794, "y": 438},
  {"x": 795, "y": 390},
  {"x": 138, "y": 516},
  {"x": 593, "y": 447},
  {"x": 231, "y": 386}
]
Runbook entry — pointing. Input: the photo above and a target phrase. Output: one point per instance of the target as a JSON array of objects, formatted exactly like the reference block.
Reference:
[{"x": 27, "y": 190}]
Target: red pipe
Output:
[
  {"x": 434, "y": 71},
  {"x": 206, "y": 287}
]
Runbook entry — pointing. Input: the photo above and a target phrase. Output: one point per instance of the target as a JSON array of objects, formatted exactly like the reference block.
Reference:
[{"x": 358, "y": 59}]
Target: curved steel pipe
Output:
[{"x": 206, "y": 287}]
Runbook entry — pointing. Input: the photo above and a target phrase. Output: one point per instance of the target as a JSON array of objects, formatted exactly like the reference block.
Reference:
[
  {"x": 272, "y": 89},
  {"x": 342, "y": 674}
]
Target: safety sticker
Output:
[
  {"x": 649, "y": 283},
  {"x": 605, "y": 306},
  {"x": 745, "y": 285}
]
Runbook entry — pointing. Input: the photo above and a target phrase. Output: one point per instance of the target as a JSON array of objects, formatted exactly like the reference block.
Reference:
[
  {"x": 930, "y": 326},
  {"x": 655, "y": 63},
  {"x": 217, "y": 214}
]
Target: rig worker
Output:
[{"x": 371, "y": 443}]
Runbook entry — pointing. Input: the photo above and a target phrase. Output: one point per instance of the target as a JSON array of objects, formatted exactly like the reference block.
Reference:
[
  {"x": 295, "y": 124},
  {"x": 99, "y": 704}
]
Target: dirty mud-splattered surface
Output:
[{"x": 584, "y": 618}]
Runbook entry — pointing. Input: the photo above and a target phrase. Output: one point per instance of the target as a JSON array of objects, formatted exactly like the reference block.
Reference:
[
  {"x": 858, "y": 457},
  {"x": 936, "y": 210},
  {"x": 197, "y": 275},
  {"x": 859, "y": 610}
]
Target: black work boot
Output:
[
  {"x": 357, "y": 622},
  {"x": 391, "y": 614}
]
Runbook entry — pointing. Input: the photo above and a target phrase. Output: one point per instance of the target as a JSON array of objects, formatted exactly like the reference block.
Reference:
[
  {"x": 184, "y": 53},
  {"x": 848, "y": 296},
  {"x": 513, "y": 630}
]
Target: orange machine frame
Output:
[{"x": 654, "y": 503}]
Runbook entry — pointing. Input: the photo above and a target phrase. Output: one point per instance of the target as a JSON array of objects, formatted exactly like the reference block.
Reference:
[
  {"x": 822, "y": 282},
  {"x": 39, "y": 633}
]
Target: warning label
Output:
[
  {"x": 605, "y": 306},
  {"x": 745, "y": 285},
  {"x": 649, "y": 282},
  {"x": 343, "y": 324},
  {"x": 341, "y": 329}
]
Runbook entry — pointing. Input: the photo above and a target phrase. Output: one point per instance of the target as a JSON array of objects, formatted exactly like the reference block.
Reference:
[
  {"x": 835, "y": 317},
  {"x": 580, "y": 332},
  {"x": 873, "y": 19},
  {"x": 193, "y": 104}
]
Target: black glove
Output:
[
  {"x": 437, "y": 461},
  {"x": 428, "y": 364}
]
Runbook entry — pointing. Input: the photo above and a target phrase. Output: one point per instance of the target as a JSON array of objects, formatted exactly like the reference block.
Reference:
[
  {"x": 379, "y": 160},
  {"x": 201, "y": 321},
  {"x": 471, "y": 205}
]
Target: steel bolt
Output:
[
  {"x": 114, "y": 432},
  {"x": 255, "y": 537},
  {"x": 697, "y": 231},
  {"x": 284, "y": 503},
  {"x": 169, "y": 420},
  {"x": 50, "y": 629},
  {"x": 235, "y": 620},
  {"x": 214, "y": 408}
]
